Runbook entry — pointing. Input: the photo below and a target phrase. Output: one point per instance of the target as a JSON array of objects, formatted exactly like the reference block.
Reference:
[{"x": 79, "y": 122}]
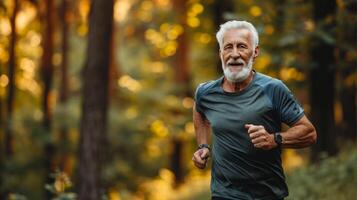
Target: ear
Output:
[{"x": 256, "y": 52}]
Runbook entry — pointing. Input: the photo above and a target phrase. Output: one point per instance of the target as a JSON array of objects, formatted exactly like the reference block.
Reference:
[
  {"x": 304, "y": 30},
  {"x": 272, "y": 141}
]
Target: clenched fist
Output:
[{"x": 260, "y": 137}]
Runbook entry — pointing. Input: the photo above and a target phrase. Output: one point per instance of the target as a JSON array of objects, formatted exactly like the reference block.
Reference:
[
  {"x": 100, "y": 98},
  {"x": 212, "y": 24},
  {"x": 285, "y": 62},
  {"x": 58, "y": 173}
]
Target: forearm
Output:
[
  {"x": 301, "y": 135},
  {"x": 202, "y": 128}
]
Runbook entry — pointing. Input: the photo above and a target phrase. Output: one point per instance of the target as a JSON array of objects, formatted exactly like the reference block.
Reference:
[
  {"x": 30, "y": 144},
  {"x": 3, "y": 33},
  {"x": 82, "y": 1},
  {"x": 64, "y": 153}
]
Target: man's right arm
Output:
[{"x": 202, "y": 130}]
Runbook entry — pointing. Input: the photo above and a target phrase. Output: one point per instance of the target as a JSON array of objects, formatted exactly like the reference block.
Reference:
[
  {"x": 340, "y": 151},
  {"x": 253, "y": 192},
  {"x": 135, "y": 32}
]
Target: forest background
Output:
[{"x": 96, "y": 96}]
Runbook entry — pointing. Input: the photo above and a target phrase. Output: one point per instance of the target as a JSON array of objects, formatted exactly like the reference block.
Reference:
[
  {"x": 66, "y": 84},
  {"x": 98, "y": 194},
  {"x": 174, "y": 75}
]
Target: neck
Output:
[{"x": 237, "y": 86}]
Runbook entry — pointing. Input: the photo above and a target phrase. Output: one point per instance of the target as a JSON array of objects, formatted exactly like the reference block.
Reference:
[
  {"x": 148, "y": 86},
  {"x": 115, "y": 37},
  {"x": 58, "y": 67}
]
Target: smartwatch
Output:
[
  {"x": 201, "y": 146},
  {"x": 278, "y": 139}
]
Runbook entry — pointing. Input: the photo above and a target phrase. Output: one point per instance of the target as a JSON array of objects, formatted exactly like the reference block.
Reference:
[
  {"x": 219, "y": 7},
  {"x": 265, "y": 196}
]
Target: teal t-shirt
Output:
[{"x": 239, "y": 170}]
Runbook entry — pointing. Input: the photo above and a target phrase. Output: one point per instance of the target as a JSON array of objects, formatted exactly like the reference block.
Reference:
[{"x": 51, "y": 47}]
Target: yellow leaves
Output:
[
  {"x": 165, "y": 38},
  {"x": 269, "y": 29},
  {"x": 114, "y": 195},
  {"x": 163, "y": 4},
  {"x": 187, "y": 102},
  {"x": 309, "y": 25},
  {"x": 131, "y": 84},
  {"x": 290, "y": 73},
  {"x": 27, "y": 80},
  {"x": 169, "y": 49},
  {"x": 24, "y": 17},
  {"x": 131, "y": 112},
  {"x": 35, "y": 38},
  {"x": 145, "y": 12},
  {"x": 82, "y": 30},
  {"x": 192, "y": 19},
  {"x": 4, "y": 80},
  {"x": 291, "y": 159},
  {"x": 5, "y": 28},
  {"x": 157, "y": 67},
  {"x": 159, "y": 129},
  {"x": 203, "y": 38},
  {"x": 255, "y": 11},
  {"x": 162, "y": 187},
  {"x": 121, "y": 9},
  {"x": 62, "y": 182},
  {"x": 262, "y": 62},
  {"x": 83, "y": 8},
  {"x": 189, "y": 128},
  {"x": 28, "y": 67},
  {"x": 4, "y": 55}
]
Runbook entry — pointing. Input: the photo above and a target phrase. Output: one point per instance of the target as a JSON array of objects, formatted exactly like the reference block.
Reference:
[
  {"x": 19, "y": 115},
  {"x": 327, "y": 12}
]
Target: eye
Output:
[
  {"x": 242, "y": 46},
  {"x": 227, "y": 47}
]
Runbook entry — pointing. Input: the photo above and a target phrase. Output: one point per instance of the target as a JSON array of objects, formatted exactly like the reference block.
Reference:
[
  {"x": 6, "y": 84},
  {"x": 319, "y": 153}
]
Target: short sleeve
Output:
[
  {"x": 198, "y": 95},
  {"x": 287, "y": 106}
]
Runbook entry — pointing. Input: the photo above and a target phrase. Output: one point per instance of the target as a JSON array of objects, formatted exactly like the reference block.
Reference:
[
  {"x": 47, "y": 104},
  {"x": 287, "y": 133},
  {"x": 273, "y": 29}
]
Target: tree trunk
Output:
[
  {"x": 9, "y": 143},
  {"x": 63, "y": 93},
  {"x": 322, "y": 81},
  {"x": 47, "y": 66},
  {"x": 8, "y": 138},
  {"x": 47, "y": 76},
  {"x": 182, "y": 79},
  {"x": 95, "y": 99},
  {"x": 349, "y": 87}
]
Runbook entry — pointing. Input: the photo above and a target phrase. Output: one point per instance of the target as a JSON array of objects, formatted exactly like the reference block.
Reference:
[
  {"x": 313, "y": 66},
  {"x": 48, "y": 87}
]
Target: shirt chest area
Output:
[{"x": 233, "y": 112}]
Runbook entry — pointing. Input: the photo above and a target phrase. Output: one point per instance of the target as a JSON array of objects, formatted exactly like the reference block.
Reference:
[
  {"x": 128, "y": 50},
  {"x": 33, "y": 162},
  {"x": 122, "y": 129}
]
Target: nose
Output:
[{"x": 235, "y": 53}]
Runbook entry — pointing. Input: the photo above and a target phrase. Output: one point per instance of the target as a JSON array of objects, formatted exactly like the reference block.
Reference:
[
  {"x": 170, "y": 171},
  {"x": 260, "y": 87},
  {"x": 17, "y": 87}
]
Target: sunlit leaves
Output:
[
  {"x": 164, "y": 39},
  {"x": 128, "y": 82},
  {"x": 5, "y": 28},
  {"x": 192, "y": 15},
  {"x": 121, "y": 9},
  {"x": 255, "y": 11},
  {"x": 291, "y": 73},
  {"x": 24, "y": 17}
]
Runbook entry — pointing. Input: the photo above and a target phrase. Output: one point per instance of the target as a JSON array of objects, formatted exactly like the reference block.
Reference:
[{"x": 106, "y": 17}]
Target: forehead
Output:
[{"x": 238, "y": 36}]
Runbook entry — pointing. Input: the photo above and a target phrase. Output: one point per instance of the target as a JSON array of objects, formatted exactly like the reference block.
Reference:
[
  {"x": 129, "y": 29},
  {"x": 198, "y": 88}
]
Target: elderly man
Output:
[{"x": 245, "y": 109}]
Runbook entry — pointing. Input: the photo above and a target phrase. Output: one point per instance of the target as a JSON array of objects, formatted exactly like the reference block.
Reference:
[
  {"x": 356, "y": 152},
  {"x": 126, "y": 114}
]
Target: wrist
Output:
[{"x": 202, "y": 146}]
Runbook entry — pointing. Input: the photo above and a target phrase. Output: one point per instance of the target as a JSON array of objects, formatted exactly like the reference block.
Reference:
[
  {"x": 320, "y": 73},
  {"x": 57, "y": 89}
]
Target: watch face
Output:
[{"x": 278, "y": 138}]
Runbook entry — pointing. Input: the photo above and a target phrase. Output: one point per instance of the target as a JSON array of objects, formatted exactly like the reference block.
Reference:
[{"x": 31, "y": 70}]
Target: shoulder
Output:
[
  {"x": 270, "y": 84},
  {"x": 206, "y": 87}
]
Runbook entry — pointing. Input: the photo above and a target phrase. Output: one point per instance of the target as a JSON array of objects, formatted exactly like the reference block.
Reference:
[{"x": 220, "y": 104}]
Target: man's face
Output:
[{"x": 237, "y": 54}]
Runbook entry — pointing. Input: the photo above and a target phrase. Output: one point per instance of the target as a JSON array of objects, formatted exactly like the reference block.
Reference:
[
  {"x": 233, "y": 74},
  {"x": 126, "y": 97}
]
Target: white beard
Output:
[{"x": 239, "y": 76}]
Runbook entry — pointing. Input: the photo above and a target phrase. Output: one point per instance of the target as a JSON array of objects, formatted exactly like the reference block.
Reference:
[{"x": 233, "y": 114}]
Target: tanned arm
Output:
[
  {"x": 202, "y": 130},
  {"x": 299, "y": 135}
]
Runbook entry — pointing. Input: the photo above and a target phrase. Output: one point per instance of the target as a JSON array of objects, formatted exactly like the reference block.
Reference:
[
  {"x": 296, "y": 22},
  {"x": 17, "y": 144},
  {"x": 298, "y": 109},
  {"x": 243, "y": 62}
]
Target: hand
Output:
[
  {"x": 260, "y": 137},
  {"x": 200, "y": 158}
]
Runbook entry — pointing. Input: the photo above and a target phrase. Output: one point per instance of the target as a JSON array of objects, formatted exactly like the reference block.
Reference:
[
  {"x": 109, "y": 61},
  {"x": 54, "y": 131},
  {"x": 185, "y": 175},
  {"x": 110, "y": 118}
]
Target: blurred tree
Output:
[
  {"x": 183, "y": 83},
  {"x": 347, "y": 67},
  {"x": 8, "y": 137},
  {"x": 9, "y": 148},
  {"x": 95, "y": 99},
  {"x": 322, "y": 77},
  {"x": 63, "y": 91},
  {"x": 47, "y": 78}
]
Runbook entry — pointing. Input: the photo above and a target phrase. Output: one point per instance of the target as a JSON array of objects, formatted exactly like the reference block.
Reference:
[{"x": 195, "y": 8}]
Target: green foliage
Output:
[
  {"x": 60, "y": 188},
  {"x": 333, "y": 178}
]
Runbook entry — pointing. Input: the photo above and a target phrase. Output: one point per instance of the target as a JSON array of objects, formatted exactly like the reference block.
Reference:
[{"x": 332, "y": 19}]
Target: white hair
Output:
[{"x": 234, "y": 24}]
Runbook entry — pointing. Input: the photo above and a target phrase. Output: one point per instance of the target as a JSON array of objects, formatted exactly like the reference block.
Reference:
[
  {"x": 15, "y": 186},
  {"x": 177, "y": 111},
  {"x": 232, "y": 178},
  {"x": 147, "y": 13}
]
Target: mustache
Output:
[{"x": 235, "y": 62}]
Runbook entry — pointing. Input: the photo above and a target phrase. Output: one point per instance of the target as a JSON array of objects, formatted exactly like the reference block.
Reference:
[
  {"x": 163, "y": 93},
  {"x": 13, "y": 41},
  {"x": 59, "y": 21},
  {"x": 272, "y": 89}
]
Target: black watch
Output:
[
  {"x": 201, "y": 146},
  {"x": 278, "y": 139}
]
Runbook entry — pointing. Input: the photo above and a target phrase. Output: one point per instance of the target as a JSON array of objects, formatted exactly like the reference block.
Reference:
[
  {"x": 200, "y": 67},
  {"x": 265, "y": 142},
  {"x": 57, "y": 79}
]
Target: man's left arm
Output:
[{"x": 301, "y": 134}]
